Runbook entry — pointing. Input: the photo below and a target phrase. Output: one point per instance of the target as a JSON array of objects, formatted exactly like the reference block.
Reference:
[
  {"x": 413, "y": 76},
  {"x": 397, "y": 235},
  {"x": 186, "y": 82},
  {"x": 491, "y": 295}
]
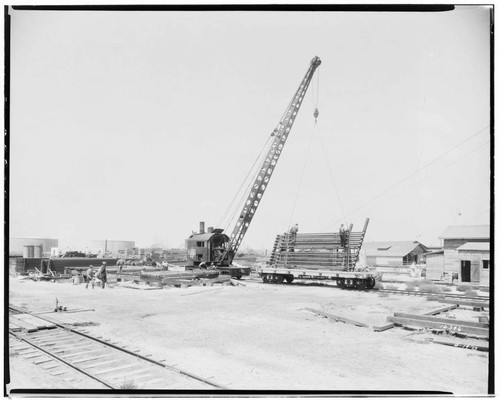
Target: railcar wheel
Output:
[
  {"x": 371, "y": 283},
  {"x": 341, "y": 283},
  {"x": 361, "y": 284},
  {"x": 265, "y": 278},
  {"x": 289, "y": 279},
  {"x": 279, "y": 279}
]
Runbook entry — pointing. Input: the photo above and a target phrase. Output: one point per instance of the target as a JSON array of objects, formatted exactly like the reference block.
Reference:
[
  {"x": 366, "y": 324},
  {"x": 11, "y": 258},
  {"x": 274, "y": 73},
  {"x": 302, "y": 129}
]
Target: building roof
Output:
[
  {"x": 466, "y": 232},
  {"x": 481, "y": 246},
  {"x": 391, "y": 249}
]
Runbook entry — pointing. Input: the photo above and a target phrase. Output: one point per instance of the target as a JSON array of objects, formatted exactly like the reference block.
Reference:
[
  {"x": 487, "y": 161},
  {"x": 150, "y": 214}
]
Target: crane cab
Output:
[
  {"x": 209, "y": 247},
  {"x": 213, "y": 247}
]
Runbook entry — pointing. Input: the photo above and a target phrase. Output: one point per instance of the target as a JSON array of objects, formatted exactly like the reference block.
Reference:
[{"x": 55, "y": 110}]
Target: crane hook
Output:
[{"x": 316, "y": 113}]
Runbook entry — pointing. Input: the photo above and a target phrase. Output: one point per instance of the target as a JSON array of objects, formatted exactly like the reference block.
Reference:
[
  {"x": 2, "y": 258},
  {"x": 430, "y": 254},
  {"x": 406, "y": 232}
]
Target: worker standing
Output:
[
  {"x": 120, "y": 264},
  {"x": 342, "y": 235},
  {"x": 90, "y": 277},
  {"x": 102, "y": 274}
]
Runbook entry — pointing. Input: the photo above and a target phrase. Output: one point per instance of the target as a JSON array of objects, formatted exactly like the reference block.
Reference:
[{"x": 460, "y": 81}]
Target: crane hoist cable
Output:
[
  {"x": 315, "y": 99},
  {"x": 332, "y": 178},
  {"x": 302, "y": 176}
]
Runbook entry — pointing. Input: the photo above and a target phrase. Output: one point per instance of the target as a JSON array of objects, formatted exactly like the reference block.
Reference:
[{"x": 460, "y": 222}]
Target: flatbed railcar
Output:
[
  {"x": 320, "y": 256},
  {"x": 344, "y": 279}
]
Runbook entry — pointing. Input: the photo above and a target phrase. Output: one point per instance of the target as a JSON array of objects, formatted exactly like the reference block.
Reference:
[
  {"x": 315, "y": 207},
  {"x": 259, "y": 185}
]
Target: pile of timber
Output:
[{"x": 317, "y": 250}]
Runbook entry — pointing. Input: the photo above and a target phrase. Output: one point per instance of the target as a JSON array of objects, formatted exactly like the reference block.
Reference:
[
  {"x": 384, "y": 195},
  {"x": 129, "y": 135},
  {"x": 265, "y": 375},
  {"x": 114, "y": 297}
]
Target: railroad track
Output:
[{"x": 113, "y": 367}]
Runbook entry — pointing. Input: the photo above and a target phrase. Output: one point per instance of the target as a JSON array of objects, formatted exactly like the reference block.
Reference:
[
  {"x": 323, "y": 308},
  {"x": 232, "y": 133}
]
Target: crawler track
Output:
[{"x": 110, "y": 365}]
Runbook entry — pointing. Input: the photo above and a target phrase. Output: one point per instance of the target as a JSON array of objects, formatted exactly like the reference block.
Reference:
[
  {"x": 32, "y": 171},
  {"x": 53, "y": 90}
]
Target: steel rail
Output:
[
  {"x": 168, "y": 367},
  {"x": 107, "y": 384}
]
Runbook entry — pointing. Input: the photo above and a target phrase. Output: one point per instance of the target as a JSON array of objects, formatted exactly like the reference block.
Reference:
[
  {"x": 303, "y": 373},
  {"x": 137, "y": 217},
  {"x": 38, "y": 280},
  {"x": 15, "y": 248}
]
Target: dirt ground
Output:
[{"x": 260, "y": 337}]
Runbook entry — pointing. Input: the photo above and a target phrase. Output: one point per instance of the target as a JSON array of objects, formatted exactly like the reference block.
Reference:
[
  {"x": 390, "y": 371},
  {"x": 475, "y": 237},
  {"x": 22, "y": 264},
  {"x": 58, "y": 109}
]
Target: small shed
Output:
[
  {"x": 435, "y": 265},
  {"x": 474, "y": 259}
]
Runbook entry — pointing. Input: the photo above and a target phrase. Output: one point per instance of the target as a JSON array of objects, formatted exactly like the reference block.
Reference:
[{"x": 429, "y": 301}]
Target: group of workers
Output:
[
  {"x": 101, "y": 274},
  {"x": 343, "y": 233}
]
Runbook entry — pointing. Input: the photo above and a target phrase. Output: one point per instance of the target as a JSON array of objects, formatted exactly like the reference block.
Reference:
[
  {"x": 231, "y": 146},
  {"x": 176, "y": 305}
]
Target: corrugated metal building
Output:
[{"x": 393, "y": 254}]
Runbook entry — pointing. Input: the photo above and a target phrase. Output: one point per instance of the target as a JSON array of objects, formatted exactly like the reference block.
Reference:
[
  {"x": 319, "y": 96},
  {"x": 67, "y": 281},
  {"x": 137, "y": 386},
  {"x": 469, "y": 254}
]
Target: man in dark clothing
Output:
[
  {"x": 342, "y": 235},
  {"x": 102, "y": 274}
]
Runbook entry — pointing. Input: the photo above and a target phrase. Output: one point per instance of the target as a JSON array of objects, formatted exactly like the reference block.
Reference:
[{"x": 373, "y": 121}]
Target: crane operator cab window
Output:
[{"x": 218, "y": 247}]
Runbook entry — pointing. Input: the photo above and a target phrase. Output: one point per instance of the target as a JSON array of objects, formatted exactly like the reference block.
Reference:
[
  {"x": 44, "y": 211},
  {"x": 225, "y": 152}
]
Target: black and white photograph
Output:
[{"x": 227, "y": 200}]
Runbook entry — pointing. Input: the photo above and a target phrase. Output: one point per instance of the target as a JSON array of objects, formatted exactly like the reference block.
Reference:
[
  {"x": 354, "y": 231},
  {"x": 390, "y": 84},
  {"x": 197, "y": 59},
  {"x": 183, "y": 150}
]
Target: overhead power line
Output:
[{"x": 414, "y": 173}]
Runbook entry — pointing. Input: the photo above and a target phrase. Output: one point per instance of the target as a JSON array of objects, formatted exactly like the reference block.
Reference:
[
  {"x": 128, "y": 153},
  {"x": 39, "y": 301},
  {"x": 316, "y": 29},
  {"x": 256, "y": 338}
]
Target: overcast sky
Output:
[{"x": 138, "y": 125}]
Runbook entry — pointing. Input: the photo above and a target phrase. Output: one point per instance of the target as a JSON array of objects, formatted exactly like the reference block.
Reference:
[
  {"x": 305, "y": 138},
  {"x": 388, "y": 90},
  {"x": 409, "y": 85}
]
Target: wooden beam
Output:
[
  {"x": 441, "y": 310},
  {"x": 453, "y": 327},
  {"x": 460, "y": 302},
  {"x": 382, "y": 328},
  {"x": 448, "y": 321},
  {"x": 337, "y": 318}
]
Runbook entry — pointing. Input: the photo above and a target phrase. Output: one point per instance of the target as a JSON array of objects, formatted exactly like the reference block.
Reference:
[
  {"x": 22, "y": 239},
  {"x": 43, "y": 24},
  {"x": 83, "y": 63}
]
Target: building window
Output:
[
  {"x": 486, "y": 264},
  {"x": 200, "y": 244}
]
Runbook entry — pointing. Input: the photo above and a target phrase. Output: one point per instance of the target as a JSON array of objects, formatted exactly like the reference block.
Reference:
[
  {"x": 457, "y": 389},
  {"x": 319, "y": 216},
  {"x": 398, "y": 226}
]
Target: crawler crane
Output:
[{"x": 215, "y": 247}]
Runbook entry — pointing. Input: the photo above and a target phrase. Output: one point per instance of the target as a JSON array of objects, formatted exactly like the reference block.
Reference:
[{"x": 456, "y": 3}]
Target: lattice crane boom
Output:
[{"x": 280, "y": 135}]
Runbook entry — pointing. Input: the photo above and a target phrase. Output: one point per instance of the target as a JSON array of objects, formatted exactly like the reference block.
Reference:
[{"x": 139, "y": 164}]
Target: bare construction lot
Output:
[{"x": 261, "y": 336}]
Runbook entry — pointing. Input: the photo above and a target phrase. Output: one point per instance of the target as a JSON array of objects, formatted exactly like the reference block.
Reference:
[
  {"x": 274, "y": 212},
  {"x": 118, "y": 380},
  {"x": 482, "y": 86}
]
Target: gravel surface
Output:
[{"x": 261, "y": 337}]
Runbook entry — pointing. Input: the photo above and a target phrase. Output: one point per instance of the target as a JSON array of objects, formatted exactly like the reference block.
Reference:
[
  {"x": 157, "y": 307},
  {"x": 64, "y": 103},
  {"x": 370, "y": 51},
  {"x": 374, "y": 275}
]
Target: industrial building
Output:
[
  {"x": 31, "y": 247},
  {"x": 465, "y": 255}
]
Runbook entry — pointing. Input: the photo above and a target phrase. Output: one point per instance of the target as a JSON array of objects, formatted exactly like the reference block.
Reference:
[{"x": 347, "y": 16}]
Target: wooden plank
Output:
[
  {"x": 465, "y": 330},
  {"x": 459, "y": 302},
  {"x": 14, "y": 328},
  {"x": 448, "y": 321},
  {"x": 337, "y": 318},
  {"x": 100, "y": 364},
  {"x": 23, "y": 324},
  {"x": 39, "y": 323},
  {"x": 441, "y": 310},
  {"x": 382, "y": 328},
  {"x": 89, "y": 358}
]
